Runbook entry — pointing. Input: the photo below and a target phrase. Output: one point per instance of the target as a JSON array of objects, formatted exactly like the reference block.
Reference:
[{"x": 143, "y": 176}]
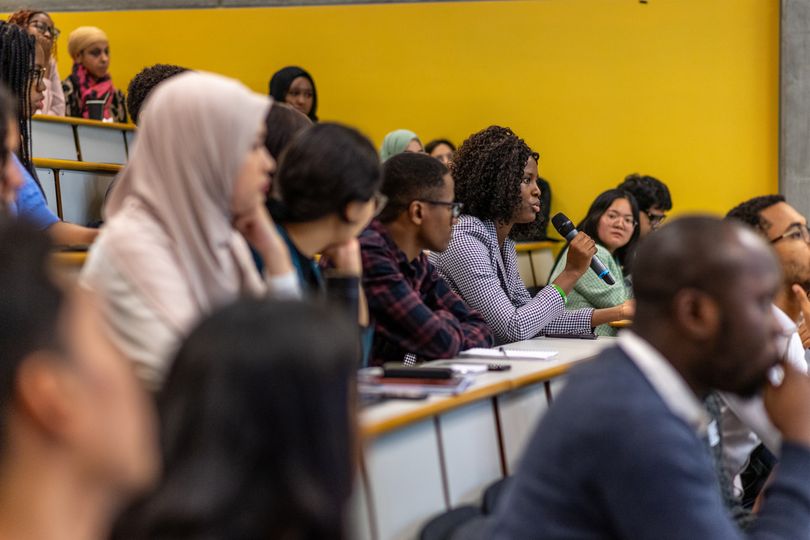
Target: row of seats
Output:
[{"x": 76, "y": 161}]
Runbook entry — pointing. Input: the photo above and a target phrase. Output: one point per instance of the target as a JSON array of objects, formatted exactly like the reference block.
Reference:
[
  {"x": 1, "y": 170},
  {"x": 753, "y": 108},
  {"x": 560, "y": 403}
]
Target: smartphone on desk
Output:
[
  {"x": 571, "y": 336},
  {"x": 398, "y": 371}
]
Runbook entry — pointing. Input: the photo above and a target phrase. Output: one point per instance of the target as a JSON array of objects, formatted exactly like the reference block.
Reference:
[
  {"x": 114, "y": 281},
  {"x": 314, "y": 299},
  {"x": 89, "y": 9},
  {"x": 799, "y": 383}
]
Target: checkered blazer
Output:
[{"x": 487, "y": 278}]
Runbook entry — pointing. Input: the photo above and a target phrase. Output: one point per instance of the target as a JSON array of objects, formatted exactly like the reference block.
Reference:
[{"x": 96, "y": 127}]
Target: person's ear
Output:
[
  {"x": 697, "y": 314},
  {"x": 416, "y": 211},
  {"x": 43, "y": 393}
]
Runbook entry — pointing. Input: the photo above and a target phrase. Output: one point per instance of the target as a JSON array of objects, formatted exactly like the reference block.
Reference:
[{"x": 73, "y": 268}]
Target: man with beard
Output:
[
  {"x": 621, "y": 454},
  {"x": 743, "y": 422}
]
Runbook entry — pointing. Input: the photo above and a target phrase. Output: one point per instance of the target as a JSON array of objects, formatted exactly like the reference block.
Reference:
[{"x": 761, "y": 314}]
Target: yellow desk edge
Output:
[
  {"x": 372, "y": 430},
  {"x": 82, "y": 122},
  {"x": 71, "y": 165}
]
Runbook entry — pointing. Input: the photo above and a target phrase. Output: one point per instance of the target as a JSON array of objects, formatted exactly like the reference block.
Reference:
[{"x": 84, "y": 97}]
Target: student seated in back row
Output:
[
  {"x": 612, "y": 221},
  {"x": 415, "y": 313},
  {"x": 23, "y": 65}
]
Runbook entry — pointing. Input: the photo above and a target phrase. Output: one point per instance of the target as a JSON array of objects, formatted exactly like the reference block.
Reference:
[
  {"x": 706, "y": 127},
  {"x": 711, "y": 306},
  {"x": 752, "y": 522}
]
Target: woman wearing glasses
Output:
[
  {"x": 40, "y": 25},
  {"x": 612, "y": 220},
  {"x": 496, "y": 180},
  {"x": 22, "y": 69}
]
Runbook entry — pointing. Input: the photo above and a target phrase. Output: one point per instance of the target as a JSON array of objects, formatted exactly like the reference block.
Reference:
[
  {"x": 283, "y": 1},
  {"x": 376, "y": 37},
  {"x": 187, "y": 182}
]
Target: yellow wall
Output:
[{"x": 686, "y": 90}]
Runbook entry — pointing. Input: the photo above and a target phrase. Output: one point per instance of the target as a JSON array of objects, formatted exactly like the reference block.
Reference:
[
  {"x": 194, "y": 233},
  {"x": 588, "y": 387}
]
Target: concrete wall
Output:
[{"x": 794, "y": 158}]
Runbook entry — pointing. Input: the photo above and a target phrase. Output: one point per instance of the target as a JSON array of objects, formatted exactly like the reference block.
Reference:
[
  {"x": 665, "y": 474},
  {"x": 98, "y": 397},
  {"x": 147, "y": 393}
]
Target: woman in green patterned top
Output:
[{"x": 612, "y": 221}]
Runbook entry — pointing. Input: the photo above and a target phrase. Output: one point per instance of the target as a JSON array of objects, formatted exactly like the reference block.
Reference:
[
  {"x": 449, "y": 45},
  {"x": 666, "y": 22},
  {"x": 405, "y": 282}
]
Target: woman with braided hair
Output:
[
  {"x": 40, "y": 25},
  {"x": 22, "y": 69},
  {"x": 496, "y": 180}
]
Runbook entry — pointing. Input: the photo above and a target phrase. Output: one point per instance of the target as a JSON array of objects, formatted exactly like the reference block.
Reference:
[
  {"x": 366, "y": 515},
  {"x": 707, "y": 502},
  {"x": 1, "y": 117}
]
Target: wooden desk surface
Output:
[
  {"x": 378, "y": 419},
  {"x": 69, "y": 259}
]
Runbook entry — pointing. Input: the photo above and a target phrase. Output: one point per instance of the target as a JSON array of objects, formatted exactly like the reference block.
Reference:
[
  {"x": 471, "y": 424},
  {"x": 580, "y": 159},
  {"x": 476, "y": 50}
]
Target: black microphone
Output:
[{"x": 568, "y": 231}]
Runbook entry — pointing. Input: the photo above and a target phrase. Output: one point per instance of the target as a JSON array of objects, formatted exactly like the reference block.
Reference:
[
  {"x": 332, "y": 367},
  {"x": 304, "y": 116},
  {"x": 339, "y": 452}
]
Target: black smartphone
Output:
[
  {"x": 571, "y": 336},
  {"x": 394, "y": 370},
  {"x": 498, "y": 367}
]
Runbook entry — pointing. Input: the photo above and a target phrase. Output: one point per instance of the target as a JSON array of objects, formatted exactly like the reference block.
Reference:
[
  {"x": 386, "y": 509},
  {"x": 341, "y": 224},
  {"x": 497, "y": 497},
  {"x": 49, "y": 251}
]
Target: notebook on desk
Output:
[{"x": 502, "y": 353}]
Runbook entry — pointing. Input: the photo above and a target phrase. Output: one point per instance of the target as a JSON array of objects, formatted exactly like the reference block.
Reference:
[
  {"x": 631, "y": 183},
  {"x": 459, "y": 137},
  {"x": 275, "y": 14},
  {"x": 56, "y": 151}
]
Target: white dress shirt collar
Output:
[{"x": 666, "y": 381}]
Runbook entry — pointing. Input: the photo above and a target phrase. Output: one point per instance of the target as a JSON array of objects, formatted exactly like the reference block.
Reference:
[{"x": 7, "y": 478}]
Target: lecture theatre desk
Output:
[{"x": 421, "y": 458}]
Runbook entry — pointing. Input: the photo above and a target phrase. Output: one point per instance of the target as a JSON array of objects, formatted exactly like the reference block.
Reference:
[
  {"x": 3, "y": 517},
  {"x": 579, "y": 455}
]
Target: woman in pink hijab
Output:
[{"x": 175, "y": 244}]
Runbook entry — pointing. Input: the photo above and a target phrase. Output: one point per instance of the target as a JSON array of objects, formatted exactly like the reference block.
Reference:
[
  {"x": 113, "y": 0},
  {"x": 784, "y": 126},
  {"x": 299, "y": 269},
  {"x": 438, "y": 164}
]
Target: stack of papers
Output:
[
  {"x": 501, "y": 353},
  {"x": 388, "y": 385}
]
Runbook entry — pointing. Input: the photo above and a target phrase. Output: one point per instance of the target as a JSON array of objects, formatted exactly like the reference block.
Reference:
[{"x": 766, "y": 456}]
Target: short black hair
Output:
[
  {"x": 283, "y": 123},
  {"x": 324, "y": 168},
  {"x": 31, "y": 303},
  {"x": 144, "y": 82},
  {"x": 431, "y": 146},
  {"x": 648, "y": 191},
  {"x": 749, "y": 211},
  {"x": 407, "y": 177}
]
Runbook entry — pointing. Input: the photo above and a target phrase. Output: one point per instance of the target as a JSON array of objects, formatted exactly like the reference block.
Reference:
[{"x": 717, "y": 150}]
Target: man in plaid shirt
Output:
[{"x": 416, "y": 314}]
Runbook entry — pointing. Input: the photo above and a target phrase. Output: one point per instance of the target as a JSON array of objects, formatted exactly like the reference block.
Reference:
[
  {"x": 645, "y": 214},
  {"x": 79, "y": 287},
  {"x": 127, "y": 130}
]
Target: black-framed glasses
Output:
[
  {"x": 37, "y": 75},
  {"x": 795, "y": 232},
  {"x": 455, "y": 207},
  {"x": 655, "y": 219},
  {"x": 44, "y": 29}
]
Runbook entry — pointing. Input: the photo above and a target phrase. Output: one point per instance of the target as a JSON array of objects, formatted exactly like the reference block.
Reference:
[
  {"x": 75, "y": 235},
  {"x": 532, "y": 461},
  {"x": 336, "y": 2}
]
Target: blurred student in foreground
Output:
[
  {"x": 257, "y": 427},
  {"x": 78, "y": 437}
]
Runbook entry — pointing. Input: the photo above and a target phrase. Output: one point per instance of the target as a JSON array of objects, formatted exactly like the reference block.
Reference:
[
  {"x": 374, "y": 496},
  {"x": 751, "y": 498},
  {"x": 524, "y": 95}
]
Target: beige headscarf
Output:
[
  {"x": 83, "y": 37},
  {"x": 170, "y": 208}
]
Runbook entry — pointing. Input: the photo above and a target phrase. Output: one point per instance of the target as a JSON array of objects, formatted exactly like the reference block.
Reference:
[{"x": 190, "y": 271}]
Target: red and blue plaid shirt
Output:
[{"x": 414, "y": 310}]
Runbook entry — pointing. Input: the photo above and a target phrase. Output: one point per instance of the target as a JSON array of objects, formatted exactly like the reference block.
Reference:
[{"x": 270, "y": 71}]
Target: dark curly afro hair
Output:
[
  {"x": 488, "y": 169},
  {"x": 144, "y": 82}
]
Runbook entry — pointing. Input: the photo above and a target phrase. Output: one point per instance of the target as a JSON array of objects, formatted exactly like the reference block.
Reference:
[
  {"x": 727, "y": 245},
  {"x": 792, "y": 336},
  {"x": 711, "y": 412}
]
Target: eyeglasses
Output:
[
  {"x": 455, "y": 207},
  {"x": 796, "y": 232},
  {"x": 380, "y": 201},
  {"x": 615, "y": 216},
  {"x": 44, "y": 29},
  {"x": 38, "y": 73},
  {"x": 655, "y": 219}
]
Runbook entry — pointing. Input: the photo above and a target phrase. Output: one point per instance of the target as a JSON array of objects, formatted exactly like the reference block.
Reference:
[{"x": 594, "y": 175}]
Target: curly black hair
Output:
[
  {"x": 749, "y": 211},
  {"x": 648, "y": 191},
  {"x": 144, "y": 82},
  {"x": 488, "y": 169}
]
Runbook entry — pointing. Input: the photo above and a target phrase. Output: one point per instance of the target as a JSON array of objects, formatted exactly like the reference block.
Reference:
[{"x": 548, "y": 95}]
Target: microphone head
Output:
[{"x": 562, "y": 224}]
